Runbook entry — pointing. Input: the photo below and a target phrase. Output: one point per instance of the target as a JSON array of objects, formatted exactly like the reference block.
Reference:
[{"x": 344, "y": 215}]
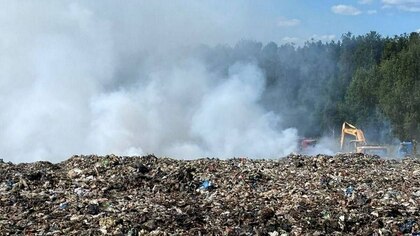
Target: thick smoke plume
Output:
[{"x": 80, "y": 78}]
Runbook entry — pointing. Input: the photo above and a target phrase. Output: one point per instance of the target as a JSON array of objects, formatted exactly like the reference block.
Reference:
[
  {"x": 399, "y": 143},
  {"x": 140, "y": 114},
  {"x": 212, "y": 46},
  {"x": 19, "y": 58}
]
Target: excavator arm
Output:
[{"x": 349, "y": 129}]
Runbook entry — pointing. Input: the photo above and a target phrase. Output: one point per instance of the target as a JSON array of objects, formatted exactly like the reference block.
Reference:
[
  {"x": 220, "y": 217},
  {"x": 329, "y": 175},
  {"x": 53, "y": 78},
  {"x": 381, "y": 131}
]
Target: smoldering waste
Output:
[{"x": 298, "y": 195}]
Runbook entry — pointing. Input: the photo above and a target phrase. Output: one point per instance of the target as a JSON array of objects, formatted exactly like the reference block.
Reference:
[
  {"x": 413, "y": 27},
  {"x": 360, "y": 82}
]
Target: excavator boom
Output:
[{"x": 349, "y": 129}]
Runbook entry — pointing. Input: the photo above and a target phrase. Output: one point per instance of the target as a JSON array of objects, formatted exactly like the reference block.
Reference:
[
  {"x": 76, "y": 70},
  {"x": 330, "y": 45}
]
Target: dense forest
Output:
[{"x": 370, "y": 80}]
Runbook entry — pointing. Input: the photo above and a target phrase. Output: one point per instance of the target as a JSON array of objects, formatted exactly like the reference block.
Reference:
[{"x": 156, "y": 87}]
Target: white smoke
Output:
[
  {"x": 186, "y": 113},
  {"x": 325, "y": 145},
  {"x": 81, "y": 78}
]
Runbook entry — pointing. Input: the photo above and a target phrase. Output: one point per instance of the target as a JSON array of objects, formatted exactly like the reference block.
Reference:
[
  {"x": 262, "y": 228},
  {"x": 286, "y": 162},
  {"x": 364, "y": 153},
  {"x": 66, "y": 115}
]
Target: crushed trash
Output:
[
  {"x": 348, "y": 194},
  {"x": 64, "y": 205},
  {"x": 349, "y": 191},
  {"x": 206, "y": 185},
  {"x": 407, "y": 226}
]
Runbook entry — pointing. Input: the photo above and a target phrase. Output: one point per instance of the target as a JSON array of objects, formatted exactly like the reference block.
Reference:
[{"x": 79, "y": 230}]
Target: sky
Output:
[
  {"x": 298, "y": 21},
  {"x": 186, "y": 22}
]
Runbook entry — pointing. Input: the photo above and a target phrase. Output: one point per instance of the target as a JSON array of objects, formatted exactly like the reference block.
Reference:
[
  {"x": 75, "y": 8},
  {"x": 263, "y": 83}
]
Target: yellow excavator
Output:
[{"x": 359, "y": 143}]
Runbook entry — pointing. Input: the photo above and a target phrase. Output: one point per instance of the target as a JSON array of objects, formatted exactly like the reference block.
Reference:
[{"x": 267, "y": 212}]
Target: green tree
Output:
[{"x": 399, "y": 92}]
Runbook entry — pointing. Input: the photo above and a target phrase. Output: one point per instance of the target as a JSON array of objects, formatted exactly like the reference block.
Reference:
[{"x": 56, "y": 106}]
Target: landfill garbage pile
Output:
[{"x": 348, "y": 194}]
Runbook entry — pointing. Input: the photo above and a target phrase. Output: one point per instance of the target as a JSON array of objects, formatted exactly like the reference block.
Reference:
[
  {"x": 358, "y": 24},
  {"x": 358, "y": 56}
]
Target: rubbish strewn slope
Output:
[{"x": 298, "y": 195}]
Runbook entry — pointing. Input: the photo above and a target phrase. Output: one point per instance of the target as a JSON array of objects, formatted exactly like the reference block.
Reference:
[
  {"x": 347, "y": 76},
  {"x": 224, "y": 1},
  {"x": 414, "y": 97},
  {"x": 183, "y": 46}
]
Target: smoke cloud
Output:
[
  {"x": 325, "y": 145},
  {"x": 80, "y": 78}
]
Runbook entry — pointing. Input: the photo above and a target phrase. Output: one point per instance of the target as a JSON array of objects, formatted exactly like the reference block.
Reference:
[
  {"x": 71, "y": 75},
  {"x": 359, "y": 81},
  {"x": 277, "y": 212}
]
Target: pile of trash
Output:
[{"x": 348, "y": 194}]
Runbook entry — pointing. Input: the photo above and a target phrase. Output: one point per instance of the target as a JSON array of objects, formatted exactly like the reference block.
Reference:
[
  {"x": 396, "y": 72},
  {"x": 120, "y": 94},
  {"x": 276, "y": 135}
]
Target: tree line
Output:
[{"x": 368, "y": 80}]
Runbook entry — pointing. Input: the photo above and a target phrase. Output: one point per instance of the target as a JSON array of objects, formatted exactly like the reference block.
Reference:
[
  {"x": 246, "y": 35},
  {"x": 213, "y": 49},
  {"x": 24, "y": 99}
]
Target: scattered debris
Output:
[
  {"x": 349, "y": 194},
  {"x": 64, "y": 205},
  {"x": 349, "y": 191}
]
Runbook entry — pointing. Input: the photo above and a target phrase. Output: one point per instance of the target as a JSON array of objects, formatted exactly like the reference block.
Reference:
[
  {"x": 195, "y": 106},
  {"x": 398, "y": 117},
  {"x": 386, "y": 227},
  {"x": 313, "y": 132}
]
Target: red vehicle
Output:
[{"x": 305, "y": 143}]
